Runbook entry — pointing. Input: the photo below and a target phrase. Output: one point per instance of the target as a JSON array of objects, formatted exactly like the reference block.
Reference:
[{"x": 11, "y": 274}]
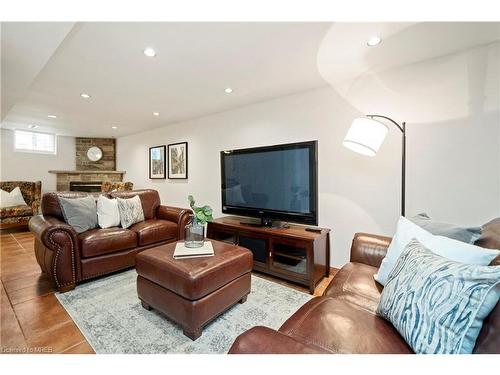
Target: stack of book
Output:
[{"x": 183, "y": 252}]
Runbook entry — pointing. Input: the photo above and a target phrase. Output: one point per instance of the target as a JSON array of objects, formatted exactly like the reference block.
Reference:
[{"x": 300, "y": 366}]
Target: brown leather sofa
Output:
[
  {"x": 69, "y": 257},
  {"x": 343, "y": 320}
]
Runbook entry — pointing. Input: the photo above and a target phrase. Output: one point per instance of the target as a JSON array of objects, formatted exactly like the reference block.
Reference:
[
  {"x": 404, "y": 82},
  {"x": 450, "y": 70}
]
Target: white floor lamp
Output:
[{"x": 365, "y": 136}]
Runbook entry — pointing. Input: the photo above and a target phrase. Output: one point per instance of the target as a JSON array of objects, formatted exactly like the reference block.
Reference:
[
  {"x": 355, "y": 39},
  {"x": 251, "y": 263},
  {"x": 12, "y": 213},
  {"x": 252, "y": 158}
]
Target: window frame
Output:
[{"x": 34, "y": 151}]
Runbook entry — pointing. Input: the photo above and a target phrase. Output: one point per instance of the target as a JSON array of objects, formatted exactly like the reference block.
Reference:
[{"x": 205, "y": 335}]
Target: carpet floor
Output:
[{"x": 111, "y": 317}]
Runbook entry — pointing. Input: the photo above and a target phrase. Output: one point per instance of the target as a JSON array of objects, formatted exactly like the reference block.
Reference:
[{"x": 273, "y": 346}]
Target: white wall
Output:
[
  {"x": 23, "y": 166},
  {"x": 452, "y": 170}
]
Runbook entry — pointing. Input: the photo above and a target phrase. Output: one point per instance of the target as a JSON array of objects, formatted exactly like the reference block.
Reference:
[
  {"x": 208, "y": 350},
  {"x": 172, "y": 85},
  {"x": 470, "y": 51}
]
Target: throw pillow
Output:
[
  {"x": 436, "y": 304},
  {"x": 130, "y": 211},
  {"x": 80, "y": 213},
  {"x": 108, "y": 214},
  {"x": 14, "y": 198},
  {"x": 444, "y": 246},
  {"x": 456, "y": 232}
]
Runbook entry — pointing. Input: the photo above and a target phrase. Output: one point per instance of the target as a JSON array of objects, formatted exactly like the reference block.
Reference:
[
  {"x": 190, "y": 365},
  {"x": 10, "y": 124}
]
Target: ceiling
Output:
[
  {"x": 421, "y": 72},
  {"x": 46, "y": 66}
]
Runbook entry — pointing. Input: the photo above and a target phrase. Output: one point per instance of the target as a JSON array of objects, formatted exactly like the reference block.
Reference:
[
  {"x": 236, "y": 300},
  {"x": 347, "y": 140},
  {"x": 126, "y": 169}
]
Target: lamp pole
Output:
[{"x": 402, "y": 128}]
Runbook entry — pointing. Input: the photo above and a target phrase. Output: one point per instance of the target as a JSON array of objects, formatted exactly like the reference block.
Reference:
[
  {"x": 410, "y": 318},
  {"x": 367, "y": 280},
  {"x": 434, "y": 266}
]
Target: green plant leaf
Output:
[
  {"x": 207, "y": 210},
  {"x": 201, "y": 216},
  {"x": 191, "y": 200}
]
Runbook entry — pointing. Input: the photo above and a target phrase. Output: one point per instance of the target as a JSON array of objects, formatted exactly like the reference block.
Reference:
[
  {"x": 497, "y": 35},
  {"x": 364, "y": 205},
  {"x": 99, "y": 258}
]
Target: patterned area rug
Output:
[{"x": 111, "y": 317}]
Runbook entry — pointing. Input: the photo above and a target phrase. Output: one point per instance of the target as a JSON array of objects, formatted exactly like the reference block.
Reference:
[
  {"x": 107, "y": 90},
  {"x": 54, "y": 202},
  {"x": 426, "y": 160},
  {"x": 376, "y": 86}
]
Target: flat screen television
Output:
[{"x": 272, "y": 183}]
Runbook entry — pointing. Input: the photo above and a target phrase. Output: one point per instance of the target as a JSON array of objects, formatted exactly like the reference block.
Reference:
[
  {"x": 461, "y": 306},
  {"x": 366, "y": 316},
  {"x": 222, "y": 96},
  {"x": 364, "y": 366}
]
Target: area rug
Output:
[{"x": 111, "y": 317}]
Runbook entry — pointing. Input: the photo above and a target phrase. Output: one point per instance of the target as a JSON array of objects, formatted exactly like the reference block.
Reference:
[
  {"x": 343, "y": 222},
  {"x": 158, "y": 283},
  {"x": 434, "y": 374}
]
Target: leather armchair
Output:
[{"x": 69, "y": 257}]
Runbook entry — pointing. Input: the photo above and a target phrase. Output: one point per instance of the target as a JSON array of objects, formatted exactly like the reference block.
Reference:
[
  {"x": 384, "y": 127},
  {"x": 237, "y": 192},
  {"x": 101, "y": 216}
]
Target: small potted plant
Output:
[{"x": 195, "y": 232}]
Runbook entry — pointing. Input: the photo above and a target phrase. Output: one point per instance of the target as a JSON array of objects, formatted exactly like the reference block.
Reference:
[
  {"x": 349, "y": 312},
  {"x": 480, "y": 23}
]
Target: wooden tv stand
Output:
[{"x": 292, "y": 253}]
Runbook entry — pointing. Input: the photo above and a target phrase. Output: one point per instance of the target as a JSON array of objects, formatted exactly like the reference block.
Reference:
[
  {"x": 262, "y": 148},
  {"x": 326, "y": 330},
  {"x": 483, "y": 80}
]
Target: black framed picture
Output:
[
  {"x": 178, "y": 160},
  {"x": 157, "y": 162}
]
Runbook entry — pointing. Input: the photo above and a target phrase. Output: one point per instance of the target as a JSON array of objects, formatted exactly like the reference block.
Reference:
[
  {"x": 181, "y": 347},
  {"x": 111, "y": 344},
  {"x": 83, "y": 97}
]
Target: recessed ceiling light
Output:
[
  {"x": 32, "y": 126},
  {"x": 373, "y": 41},
  {"x": 149, "y": 52},
  {"x": 85, "y": 96},
  {"x": 114, "y": 127},
  {"x": 156, "y": 113},
  {"x": 51, "y": 116},
  {"x": 228, "y": 90}
]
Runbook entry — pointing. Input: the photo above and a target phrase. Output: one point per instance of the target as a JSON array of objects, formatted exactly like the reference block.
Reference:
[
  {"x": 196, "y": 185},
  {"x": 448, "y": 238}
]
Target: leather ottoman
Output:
[{"x": 194, "y": 291}]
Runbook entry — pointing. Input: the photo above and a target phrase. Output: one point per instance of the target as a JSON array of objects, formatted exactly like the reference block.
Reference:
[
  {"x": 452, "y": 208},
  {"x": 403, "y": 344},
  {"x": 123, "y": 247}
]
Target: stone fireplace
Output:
[{"x": 89, "y": 175}]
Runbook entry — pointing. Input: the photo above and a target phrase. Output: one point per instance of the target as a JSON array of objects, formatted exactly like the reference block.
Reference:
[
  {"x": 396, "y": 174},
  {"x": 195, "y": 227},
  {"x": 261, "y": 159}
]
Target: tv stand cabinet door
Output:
[
  {"x": 258, "y": 244},
  {"x": 218, "y": 233},
  {"x": 292, "y": 259}
]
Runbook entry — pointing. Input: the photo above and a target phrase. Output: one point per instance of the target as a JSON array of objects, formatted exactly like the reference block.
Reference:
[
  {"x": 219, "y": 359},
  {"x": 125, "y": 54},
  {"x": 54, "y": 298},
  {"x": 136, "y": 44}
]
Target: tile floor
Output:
[{"x": 32, "y": 319}]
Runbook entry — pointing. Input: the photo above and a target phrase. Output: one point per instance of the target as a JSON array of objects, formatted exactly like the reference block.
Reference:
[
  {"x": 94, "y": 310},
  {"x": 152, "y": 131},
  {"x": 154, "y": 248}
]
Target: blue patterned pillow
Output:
[{"x": 436, "y": 304}]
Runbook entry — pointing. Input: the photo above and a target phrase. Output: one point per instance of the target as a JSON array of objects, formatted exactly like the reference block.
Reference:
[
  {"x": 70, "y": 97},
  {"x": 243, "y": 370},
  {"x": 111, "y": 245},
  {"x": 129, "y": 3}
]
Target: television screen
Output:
[{"x": 279, "y": 180}]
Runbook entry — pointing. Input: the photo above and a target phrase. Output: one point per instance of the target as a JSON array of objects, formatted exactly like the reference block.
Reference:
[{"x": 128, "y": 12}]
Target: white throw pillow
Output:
[
  {"x": 449, "y": 248},
  {"x": 14, "y": 198},
  {"x": 108, "y": 214}
]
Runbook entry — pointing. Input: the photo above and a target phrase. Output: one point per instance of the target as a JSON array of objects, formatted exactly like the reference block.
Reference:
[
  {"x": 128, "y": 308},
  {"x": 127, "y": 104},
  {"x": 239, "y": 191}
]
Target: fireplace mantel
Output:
[{"x": 87, "y": 172}]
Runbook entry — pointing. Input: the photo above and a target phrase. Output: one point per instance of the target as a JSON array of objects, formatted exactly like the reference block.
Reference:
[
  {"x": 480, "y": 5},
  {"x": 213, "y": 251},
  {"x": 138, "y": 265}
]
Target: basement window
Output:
[{"x": 36, "y": 142}]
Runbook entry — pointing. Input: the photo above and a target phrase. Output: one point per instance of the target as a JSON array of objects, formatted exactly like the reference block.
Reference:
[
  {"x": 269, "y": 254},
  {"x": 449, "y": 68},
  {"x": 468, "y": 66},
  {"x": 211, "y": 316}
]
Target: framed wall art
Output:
[
  {"x": 157, "y": 162},
  {"x": 178, "y": 160}
]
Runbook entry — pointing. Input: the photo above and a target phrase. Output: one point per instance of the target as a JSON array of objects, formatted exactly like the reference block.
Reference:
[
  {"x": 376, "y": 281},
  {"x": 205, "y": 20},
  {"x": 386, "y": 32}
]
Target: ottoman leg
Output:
[
  {"x": 244, "y": 299},
  {"x": 145, "y": 305},
  {"x": 193, "y": 334}
]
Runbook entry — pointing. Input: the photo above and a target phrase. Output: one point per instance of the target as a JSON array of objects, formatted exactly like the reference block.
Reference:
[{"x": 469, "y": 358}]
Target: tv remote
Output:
[{"x": 313, "y": 229}]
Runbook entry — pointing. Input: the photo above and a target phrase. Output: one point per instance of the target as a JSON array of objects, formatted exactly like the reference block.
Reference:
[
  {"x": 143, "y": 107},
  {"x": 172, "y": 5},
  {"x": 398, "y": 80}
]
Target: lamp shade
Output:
[{"x": 365, "y": 136}]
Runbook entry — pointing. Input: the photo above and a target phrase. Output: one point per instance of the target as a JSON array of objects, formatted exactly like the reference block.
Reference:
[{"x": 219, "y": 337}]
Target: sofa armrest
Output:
[
  {"x": 180, "y": 216},
  {"x": 56, "y": 249},
  {"x": 263, "y": 340},
  {"x": 369, "y": 249}
]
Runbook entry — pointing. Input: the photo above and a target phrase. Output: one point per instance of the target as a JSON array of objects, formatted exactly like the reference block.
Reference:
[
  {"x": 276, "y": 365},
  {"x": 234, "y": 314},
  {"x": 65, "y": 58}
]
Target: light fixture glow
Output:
[
  {"x": 149, "y": 52},
  {"x": 114, "y": 127},
  {"x": 228, "y": 90},
  {"x": 365, "y": 136},
  {"x": 85, "y": 95},
  {"x": 156, "y": 113},
  {"x": 51, "y": 116},
  {"x": 374, "y": 40}
]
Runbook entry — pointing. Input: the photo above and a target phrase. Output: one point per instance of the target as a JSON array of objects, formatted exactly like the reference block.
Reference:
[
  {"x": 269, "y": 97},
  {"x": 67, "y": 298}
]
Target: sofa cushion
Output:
[
  {"x": 150, "y": 200},
  {"x": 130, "y": 211},
  {"x": 12, "y": 198},
  {"x": 468, "y": 235},
  {"x": 438, "y": 305},
  {"x": 338, "y": 326},
  {"x": 457, "y": 251},
  {"x": 96, "y": 242},
  {"x": 80, "y": 213},
  {"x": 354, "y": 283},
  {"x": 154, "y": 230},
  {"x": 16, "y": 211}
]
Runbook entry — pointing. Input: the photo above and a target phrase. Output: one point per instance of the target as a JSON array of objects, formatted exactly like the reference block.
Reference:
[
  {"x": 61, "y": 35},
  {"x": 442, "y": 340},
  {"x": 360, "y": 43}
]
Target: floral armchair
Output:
[
  {"x": 20, "y": 215},
  {"x": 108, "y": 186}
]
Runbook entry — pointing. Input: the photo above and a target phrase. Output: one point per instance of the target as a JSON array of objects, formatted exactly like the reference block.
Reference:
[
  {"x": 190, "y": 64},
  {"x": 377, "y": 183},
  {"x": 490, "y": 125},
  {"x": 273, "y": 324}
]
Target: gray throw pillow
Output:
[
  {"x": 130, "y": 211},
  {"x": 468, "y": 235},
  {"x": 80, "y": 213}
]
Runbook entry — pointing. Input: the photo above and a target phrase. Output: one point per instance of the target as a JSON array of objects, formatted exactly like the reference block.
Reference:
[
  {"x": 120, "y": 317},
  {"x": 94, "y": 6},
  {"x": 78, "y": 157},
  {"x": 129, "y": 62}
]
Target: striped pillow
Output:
[{"x": 436, "y": 304}]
